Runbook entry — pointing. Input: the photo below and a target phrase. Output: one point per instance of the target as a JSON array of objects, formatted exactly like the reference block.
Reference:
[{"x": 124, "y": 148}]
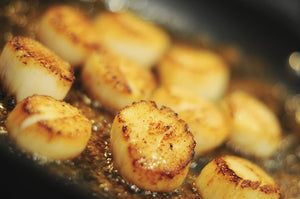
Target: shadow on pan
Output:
[{"x": 269, "y": 29}]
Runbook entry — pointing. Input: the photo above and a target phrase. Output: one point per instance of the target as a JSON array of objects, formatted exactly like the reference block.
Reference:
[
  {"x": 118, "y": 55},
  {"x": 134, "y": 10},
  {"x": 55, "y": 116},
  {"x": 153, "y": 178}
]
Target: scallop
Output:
[
  {"x": 48, "y": 128},
  {"x": 230, "y": 177},
  {"x": 206, "y": 121},
  {"x": 27, "y": 68},
  {"x": 255, "y": 128},
  {"x": 130, "y": 36},
  {"x": 151, "y": 147},
  {"x": 115, "y": 81},
  {"x": 69, "y": 33},
  {"x": 198, "y": 70}
]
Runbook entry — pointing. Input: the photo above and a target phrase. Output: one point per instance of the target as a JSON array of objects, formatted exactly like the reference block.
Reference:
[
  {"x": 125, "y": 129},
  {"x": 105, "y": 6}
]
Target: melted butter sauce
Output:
[{"x": 93, "y": 169}]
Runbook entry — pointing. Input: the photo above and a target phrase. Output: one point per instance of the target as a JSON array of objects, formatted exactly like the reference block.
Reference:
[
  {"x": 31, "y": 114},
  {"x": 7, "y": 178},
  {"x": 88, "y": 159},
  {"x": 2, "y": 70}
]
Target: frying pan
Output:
[{"x": 270, "y": 30}]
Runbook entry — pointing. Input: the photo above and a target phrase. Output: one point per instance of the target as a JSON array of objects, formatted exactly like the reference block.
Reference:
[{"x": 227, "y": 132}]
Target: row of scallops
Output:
[{"x": 152, "y": 147}]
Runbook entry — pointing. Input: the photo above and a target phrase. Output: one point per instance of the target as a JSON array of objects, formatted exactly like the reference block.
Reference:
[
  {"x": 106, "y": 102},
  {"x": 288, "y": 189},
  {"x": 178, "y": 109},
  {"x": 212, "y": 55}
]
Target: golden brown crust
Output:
[
  {"x": 65, "y": 122},
  {"x": 49, "y": 128},
  {"x": 115, "y": 81},
  {"x": 158, "y": 145},
  {"x": 232, "y": 177},
  {"x": 225, "y": 170},
  {"x": 132, "y": 37},
  {"x": 73, "y": 25},
  {"x": 28, "y": 51},
  {"x": 159, "y": 128}
]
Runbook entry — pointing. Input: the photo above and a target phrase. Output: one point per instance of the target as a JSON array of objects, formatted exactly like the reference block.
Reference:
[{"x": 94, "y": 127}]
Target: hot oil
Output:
[
  {"x": 93, "y": 170},
  {"x": 94, "y": 167}
]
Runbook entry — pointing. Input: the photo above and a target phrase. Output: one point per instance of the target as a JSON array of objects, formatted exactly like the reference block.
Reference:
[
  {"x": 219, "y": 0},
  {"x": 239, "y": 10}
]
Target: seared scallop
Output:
[
  {"x": 128, "y": 35},
  {"x": 151, "y": 147},
  {"x": 45, "y": 127},
  {"x": 27, "y": 68},
  {"x": 205, "y": 120},
  {"x": 198, "y": 70},
  {"x": 255, "y": 128},
  {"x": 115, "y": 81},
  {"x": 230, "y": 177},
  {"x": 69, "y": 33}
]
